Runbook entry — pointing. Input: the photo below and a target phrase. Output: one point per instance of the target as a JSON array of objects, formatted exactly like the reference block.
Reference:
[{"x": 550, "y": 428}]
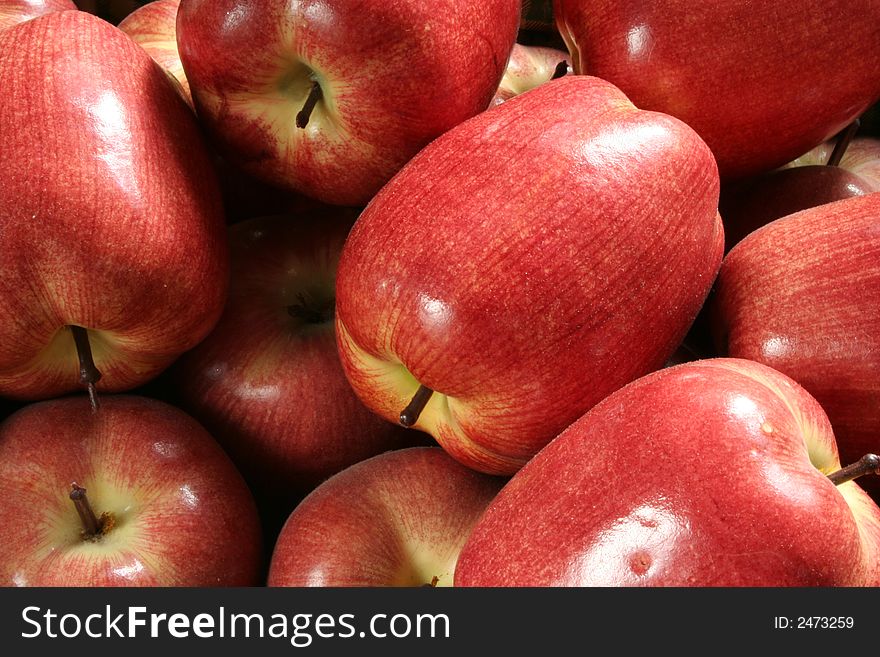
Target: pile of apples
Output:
[{"x": 399, "y": 292}]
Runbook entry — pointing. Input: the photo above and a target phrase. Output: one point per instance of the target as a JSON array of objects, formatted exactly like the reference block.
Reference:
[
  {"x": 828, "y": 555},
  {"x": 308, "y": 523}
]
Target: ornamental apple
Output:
[
  {"x": 526, "y": 264},
  {"x": 718, "y": 472},
  {"x": 396, "y": 519},
  {"x": 135, "y": 494},
  {"x": 153, "y": 26},
  {"x": 13, "y": 12},
  {"x": 528, "y": 67},
  {"x": 761, "y": 82},
  {"x": 802, "y": 295},
  {"x": 267, "y": 381},
  {"x": 332, "y": 98},
  {"x": 112, "y": 235}
]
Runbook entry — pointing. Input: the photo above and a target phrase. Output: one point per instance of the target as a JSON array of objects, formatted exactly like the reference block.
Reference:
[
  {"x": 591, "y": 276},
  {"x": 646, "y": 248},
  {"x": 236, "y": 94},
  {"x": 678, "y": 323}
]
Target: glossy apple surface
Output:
[
  {"x": 761, "y": 82},
  {"x": 111, "y": 214},
  {"x": 802, "y": 295},
  {"x": 175, "y": 510},
  {"x": 397, "y": 519},
  {"x": 515, "y": 265},
  {"x": 815, "y": 178},
  {"x": 392, "y": 76},
  {"x": 785, "y": 191},
  {"x": 153, "y": 26},
  {"x": 711, "y": 473},
  {"x": 267, "y": 381},
  {"x": 861, "y": 157},
  {"x": 13, "y": 12}
]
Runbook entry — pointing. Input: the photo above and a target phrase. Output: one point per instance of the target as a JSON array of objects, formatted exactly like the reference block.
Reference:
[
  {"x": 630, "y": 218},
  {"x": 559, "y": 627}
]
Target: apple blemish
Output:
[{"x": 94, "y": 527}]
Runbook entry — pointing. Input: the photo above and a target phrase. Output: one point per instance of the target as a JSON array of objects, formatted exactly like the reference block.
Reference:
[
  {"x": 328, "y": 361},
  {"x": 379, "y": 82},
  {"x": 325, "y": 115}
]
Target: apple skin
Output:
[
  {"x": 528, "y": 67},
  {"x": 862, "y": 157},
  {"x": 761, "y": 82},
  {"x": 803, "y": 183},
  {"x": 184, "y": 516},
  {"x": 396, "y": 519},
  {"x": 269, "y": 385},
  {"x": 513, "y": 265},
  {"x": 153, "y": 26},
  {"x": 394, "y": 76},
  {"x": 13, "y": 12},
  {"x": 711, "y": 473},
  {"x": 112, "y": 217},
  {"x": 785, "y": 191},
  {"x": 802, "y": 295}
]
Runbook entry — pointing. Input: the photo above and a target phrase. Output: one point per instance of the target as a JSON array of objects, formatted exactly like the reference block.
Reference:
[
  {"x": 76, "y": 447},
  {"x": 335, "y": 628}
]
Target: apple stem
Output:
[
  {"x": 91, "y": 525},
  {"x": 410, "y": 415},
  {"x": 89, "y": 375},
  {"x": 560, "y": 70},
  {"x": 868, "y": 464},
  {"x": 844, "y": 138},
  {"x": 315, "y": 94}
]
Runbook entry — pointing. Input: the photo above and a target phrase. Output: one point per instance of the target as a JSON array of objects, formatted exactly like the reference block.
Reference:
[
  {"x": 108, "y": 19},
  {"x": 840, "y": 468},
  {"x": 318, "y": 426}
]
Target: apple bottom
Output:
[
  {"x": 388, "y": 388},
  {"x": 74, "y": 359}
]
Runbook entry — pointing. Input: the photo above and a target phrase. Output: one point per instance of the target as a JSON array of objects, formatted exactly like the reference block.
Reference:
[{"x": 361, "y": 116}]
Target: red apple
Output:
[
  {"x": 267, "y": 382},
  {"x": 831, "y": 172},
  {"x": 528, "y": 67},
  {"x": 332, "y": 98},
  {"x": 13, "y": 12},
  {"x": 153, "y": 26},
  {"x": 713, "y": 473},
  {"x": 783, "y": 192},
  {"x": 397, "y": 519},
  {"x": 162, "y": 506},
  {"x": 802, "y": 295},
  {"x": 112, "y": 227},
  {"x": 761, "y": 82},
  {"x": 861, "y": 157},
  {"x": 526, "y": 264}
]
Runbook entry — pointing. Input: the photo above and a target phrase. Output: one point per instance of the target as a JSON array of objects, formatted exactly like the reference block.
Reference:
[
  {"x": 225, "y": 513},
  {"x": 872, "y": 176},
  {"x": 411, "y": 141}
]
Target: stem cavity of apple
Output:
[
  {"x": 843, "y": 140},
  {"x": 89, "y": 375},
  {"x": 311, "y": 311},
  {"x": 93, "y": 527},
  {"x": 315, "y": 95},
  {"x": 410, "y": 415},
  {"x": 868, "y": 464}
]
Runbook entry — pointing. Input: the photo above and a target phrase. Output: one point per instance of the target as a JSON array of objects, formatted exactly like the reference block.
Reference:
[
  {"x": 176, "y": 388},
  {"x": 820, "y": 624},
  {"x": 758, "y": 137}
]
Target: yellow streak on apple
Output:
[
  {"x": 397, "y": 385},
  {"x": 109, "y": 352}
]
